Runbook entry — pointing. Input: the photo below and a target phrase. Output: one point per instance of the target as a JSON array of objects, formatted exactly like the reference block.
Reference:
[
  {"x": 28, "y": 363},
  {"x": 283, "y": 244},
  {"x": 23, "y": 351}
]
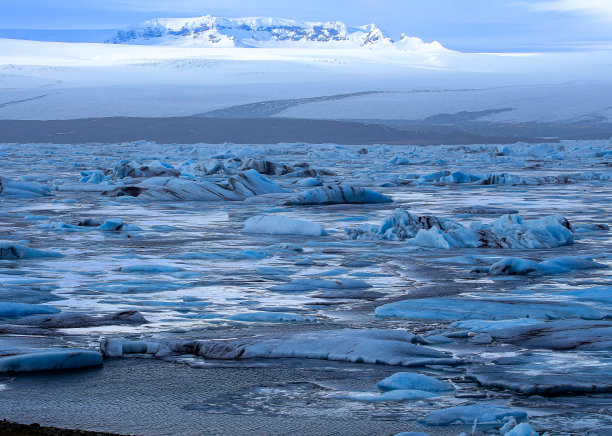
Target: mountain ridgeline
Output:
[{"x": 209, "y": 31}]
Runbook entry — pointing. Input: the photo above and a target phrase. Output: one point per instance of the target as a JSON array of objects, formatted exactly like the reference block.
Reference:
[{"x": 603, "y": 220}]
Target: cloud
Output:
[{"x": 601, "y": 9}]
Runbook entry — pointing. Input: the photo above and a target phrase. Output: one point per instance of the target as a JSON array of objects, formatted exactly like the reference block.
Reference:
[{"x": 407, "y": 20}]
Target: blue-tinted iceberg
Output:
[
  {"x": 11, "y": 310},
  {"x": 11, "y": 251},
  {"x": 13, "y": 188},
  {"x": 413, "y": 381},
  {"x": 337, "y": 194},
  {"x": 557, "y": 265},
  {"x": 480, "y": 413},
  {"x": 53, "y": 360}
]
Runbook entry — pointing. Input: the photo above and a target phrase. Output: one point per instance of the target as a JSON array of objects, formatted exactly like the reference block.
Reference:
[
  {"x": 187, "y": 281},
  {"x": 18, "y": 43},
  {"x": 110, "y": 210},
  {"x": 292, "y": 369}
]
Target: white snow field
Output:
[
  {"x": 352, "y": 289},
  {"x": 322, "y": 80}
]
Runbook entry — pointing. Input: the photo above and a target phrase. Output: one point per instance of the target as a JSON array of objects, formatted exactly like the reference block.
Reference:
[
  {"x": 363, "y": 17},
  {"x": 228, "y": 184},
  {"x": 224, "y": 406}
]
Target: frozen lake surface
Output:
[{"x": 493, "y": 277}]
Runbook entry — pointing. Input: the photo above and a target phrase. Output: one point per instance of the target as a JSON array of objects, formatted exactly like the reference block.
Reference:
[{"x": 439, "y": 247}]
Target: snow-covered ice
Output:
[{"x": 282, "y": 225}]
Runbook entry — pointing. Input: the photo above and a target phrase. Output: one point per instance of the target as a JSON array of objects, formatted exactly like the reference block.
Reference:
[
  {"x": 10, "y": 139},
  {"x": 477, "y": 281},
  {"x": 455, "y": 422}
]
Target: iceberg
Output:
[
  {"x": 269, "y": 168},
  {"x": 11, "y": 251},
  {"x": 173, "y": 189},
  {"x": 570, "y": 334},
  {"x": 489, "y": 307},
  {"x": 480, "y": 413},
  {"x": 508, "y": 231},
  {"x": 12, "y": 188},
  {"x": 413, "y": 381},
  {"x": 337, "y": 194},
  {"x": 557, "y": 265},
  {"x": 389, "y": 347},
  {"x": 250, "y": 183},
  {"x": 282, "y": 225},
  {"x": 13, "y": 310}
]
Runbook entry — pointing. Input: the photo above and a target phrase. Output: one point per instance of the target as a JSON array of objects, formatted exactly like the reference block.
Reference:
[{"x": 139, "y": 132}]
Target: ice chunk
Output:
[
  {"x": 12, "y": 188},
  {"x": 508, "y": 231},
  {"x": 282, "y": 225},
  {"x": 309, "y": 182},
  {"x": 337, "y": 194},
  {"x": 93, "y": 176},
  {"x": 413, "y": 381},
  {"x": 557, "y": 265},
  {"x": 481, "y": 413},
  {"x": 10, "y": 310},
  {"x": 266, "y": 167},
  {"x": 488, "y": 308},
  {"x": 173, "y": 189},
  {"x": 79, "y": 320},
  {"x": 390, "y": 347},
  {"x": 401, "y": 225},
  {"x": 119, "y": 347},
  {"x": 302, "y": 285},
  {"x": 150, "y": 269},
  {"x": 53, "y": 360},
  {"x": 395, "y": 395},
  {"x": 559, "y": 335},
  {"x": 11, "y": 251},
  {"x": 250, "y": 183},
  {"x": 481, "y": 325},
  {"x": 116, "y": 225},
  {"x": 547, "y": 374},
  {"x": 523, "y": 429}
]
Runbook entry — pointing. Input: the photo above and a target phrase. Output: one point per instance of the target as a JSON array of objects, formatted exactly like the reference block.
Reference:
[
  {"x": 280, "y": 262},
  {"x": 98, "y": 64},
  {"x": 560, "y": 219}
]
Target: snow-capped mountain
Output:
[{"x": 209, "y": 31}]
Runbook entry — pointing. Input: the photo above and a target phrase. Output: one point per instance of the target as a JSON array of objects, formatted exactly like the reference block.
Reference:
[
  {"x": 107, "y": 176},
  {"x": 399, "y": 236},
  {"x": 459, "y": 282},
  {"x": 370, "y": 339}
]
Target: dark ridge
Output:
[
  {"x": 8, "y": 428},
  {"x": 263, "y": 109},
  {"x": 191, "y": 130}
]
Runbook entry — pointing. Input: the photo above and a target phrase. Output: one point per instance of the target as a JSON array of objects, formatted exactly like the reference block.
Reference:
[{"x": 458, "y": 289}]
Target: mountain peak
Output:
[{"x": 262, "y": 32}]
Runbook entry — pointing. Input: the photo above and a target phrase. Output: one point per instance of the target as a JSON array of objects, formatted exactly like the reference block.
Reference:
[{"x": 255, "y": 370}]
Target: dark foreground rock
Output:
[{"x": 8, "y": 428}]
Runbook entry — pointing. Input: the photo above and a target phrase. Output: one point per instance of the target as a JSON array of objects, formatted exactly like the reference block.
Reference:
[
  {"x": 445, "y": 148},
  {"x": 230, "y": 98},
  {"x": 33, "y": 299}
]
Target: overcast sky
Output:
[{"x": 459, "y": 24}]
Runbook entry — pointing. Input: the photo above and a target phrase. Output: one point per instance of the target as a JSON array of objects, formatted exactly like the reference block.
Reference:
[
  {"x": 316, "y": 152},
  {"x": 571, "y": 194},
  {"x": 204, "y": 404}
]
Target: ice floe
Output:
[
  {"x": 394, "y": 395},
  {"x": 79, "y": 320},
  {"x": 557, "y": 265},
  {"x": 508, "y": 231},
  {"x": 413, "y": 381},
  {"x": 13, "y": 188},
  {"x": 52, "y": 360},
  {"x": 11, "y": 251},
  {"x": 250, "y": 183},
  {"x": 488, "y": 307},
  {"x": 337, "y": 194},
  {"x": 304, "y": 285},
  {"x": 282, "y": 225},
  {"x": 10, "y": 310},
  {"x": 173, "y": 189},
  {"x": 569, "y": 334},
  {"x": 390, "y": 347}
]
